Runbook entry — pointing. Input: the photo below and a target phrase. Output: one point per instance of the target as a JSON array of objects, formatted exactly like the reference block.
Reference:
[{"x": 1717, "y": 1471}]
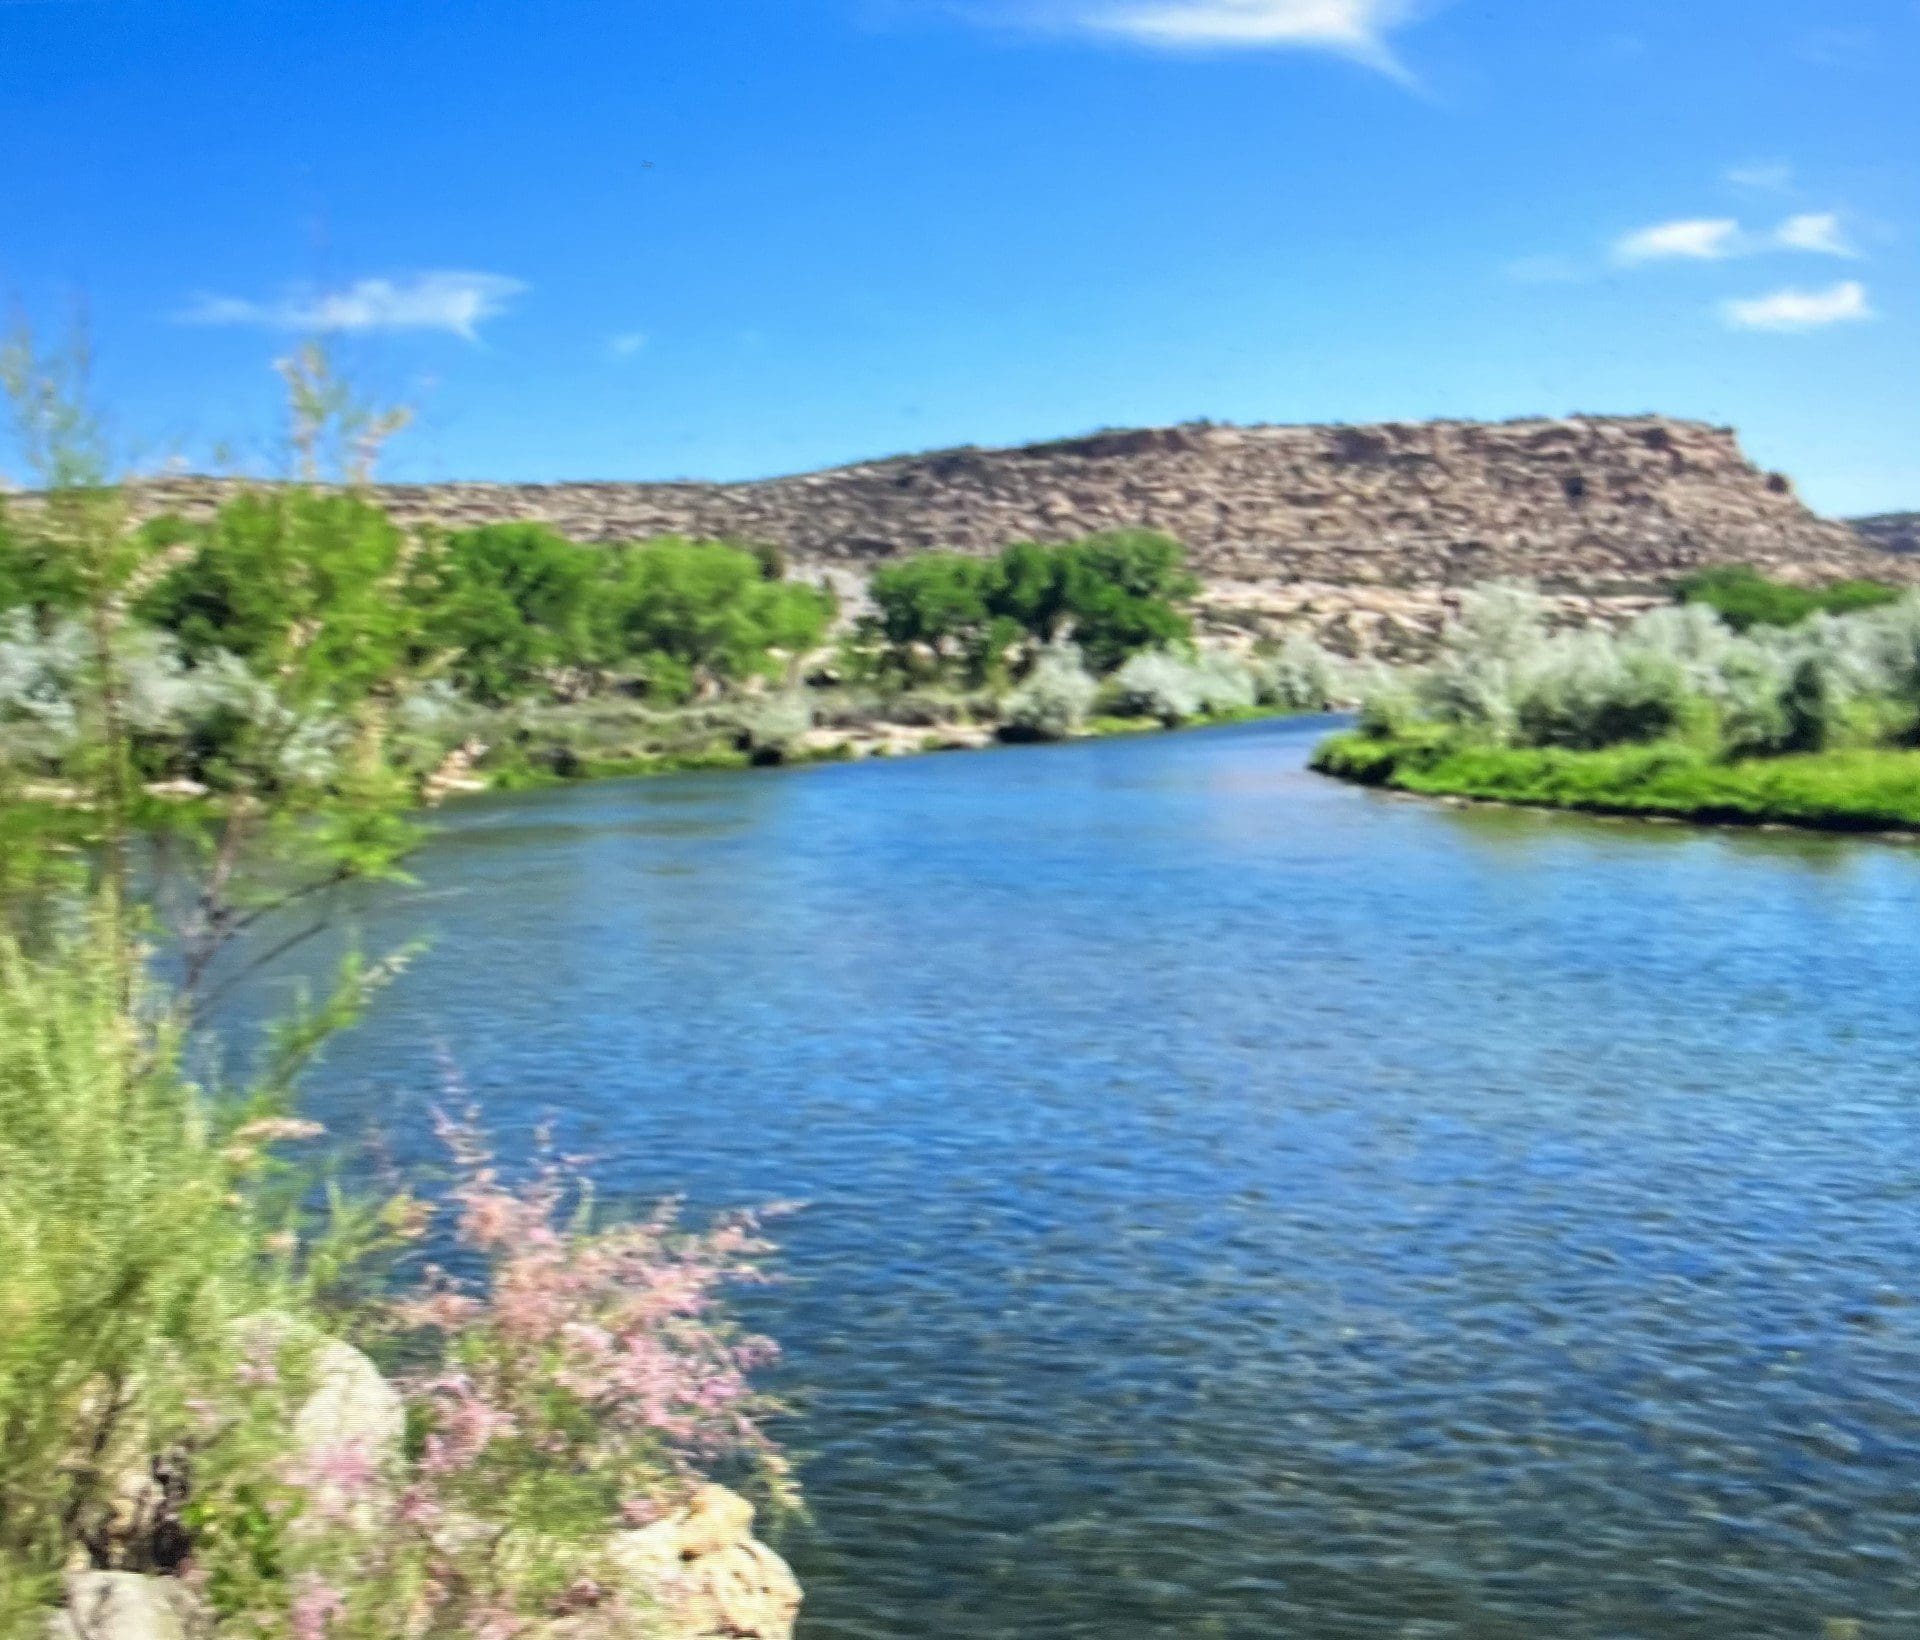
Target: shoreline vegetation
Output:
[
  {"x": 509, "y": 656},
  {"x": 1746, "y": 704},
  {"x": 257, "y": 1381},
  {"x": 1868, "y": 792}
]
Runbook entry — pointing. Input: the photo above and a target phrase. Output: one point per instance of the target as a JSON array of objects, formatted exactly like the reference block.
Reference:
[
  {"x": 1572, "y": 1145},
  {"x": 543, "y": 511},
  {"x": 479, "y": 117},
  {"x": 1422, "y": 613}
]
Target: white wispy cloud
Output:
[
  {"x": 627, "y": 343},
  {"x": 1359, "y": 29},
  {"x": 1816, "y": 231},
  {"x": 1696, "y": 239},
  {"x": 1844, "y": 303},
  {"x": 458, "y": 303},
  {"x": 1716, "y": 239}
]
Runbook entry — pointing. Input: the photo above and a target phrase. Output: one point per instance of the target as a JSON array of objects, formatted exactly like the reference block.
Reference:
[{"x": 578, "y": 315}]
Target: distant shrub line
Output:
[
  {"x": 555, "y": 659},
  {"x": 1744, "y": 598},
  {"x": 1812, "y": 721}
]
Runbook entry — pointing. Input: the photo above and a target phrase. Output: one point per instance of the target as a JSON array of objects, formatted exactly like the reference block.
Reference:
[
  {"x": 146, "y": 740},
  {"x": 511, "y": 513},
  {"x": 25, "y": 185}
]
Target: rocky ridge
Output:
[
  {"x": 1359, "y": 533},
  {"x": 1890, "y": 532}
]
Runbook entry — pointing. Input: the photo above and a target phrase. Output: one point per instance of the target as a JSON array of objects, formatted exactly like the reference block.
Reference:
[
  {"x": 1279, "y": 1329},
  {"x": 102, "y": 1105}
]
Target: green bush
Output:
[
  {"x": 1851, "y": 789},
  {"x": 1744, "y": 598},
  {"x": 140, "y": 1220}
]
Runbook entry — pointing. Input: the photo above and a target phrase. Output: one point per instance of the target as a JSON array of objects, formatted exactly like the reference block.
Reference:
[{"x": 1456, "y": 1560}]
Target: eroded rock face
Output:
[
  {"x": 1590, "y": 507},
  {"x": 708, "y": 1574}
]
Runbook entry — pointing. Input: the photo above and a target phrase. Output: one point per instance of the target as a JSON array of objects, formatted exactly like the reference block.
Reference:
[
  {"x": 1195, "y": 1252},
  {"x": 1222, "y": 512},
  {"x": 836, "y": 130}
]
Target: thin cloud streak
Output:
[
  {"x": 1699, "y": 239},
  {"x": 455, "y": 303},
  {"x": 1360, "y": 30},
  {"x": 1763, "y": 177},
  {"x": 1801, "y": 310},
  {"x": 1717, "y": 239}
]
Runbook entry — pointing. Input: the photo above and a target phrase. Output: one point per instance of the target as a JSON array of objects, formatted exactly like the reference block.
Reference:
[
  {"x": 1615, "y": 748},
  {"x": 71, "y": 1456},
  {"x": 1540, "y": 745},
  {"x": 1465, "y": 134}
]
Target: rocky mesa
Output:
[{"x": 1360, "y": 533}]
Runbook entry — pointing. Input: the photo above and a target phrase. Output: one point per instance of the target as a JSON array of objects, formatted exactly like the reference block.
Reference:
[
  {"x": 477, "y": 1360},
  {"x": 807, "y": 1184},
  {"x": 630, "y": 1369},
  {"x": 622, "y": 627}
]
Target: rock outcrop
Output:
[
  {"x": 1357, "y": 532},
  {"x": 1891, "y": 532},
  {"x": 711, "y": 1576}
]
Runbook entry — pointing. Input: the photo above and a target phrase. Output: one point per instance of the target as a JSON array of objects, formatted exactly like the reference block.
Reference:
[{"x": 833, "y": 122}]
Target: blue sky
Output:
[{"x": 728, "y": 238}]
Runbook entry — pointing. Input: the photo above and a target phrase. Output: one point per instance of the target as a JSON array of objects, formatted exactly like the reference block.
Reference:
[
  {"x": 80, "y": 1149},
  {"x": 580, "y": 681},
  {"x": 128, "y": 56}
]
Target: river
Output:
[{"x": 1240, "y": 1205}]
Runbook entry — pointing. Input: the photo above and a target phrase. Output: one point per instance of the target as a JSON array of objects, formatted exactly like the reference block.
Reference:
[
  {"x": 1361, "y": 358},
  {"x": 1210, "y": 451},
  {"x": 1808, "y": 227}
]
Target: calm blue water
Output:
[{"x": 1242, "y": 1205}]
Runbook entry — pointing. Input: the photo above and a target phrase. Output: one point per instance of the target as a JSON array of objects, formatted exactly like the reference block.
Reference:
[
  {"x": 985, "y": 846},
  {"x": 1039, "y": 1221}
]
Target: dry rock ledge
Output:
[
  {"x": 1362, "y": 535},
  {"x": 697, "y": 1574}
]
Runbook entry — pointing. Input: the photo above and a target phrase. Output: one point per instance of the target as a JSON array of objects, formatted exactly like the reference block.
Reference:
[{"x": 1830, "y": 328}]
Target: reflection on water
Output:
[{"x": 1242, "y": 1205}]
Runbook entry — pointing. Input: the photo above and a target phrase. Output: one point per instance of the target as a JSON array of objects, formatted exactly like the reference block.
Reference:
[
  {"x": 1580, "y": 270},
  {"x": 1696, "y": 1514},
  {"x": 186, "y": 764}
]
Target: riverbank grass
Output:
[{"x": 1856, "y": 789}]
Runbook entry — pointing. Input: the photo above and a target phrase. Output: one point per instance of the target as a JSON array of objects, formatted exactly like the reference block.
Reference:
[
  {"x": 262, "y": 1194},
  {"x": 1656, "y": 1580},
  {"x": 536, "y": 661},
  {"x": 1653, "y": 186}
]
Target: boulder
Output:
[
  {"x": 349, "y": 1409},
  {"x": 703, "y": 1568},
  {"x": 350, "y": 1405},
  {"x": 126, "y": 1606}
]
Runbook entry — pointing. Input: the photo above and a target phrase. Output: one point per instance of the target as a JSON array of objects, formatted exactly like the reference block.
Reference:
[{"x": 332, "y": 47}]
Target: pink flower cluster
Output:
[
  {"x": 623, "y": 1321},
  {"x": 600, "y": 1360}
]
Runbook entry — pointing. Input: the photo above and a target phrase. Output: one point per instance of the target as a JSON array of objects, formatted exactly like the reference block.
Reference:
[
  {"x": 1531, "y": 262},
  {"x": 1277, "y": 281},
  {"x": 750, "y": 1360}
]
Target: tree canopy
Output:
[{"x": 1113, "y": 594}]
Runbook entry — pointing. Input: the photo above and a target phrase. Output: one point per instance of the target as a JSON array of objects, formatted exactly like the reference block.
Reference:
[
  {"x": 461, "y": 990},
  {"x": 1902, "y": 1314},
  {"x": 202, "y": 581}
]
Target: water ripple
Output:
[{"x": 1244, "y": 1206}]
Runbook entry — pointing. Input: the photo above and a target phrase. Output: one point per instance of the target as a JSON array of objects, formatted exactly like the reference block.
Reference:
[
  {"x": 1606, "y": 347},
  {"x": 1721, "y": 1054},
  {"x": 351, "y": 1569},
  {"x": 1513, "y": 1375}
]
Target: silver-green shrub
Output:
[
  {"x": 1164, "y": 684},
  {"x": 1227, "y": 683},
  {"x": 1588, "y": 689},
  {"x": 1894, "y": 633},
  {"x": 1056, "y": 696},
  {"x": 1158, "y": 684},
  {"x": 1487, "y": 654},
  {"x": 38, "y": 715},
  {"x": 1300, "y": 675},
  {"x": 1502, "y": 677},
  {"x": 774, "y": 726}
]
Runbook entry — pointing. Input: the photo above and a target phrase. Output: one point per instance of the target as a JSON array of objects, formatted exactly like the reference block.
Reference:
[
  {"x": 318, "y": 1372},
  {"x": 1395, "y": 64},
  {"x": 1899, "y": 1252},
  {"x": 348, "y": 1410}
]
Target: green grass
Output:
[
  {"x": 1852, "y": 790},
  {"x": 1101, "y": 724}
]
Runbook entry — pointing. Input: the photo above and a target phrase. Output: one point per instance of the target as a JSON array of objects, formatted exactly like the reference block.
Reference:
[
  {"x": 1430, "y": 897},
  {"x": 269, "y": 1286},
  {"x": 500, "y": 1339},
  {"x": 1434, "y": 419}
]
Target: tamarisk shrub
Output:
[{"x": 580, "y": 1380}]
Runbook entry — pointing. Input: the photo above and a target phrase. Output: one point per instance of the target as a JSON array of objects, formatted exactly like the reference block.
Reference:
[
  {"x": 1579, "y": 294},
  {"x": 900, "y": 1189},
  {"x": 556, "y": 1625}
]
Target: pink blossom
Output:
[
  {"x": 417, "y": 1507},
  {"x": 336, "y": 1477},
  {"x": 316, "y": 1604},
  {"x": 466, "y": 1424},
  {"x": 603, "y": 1351}
]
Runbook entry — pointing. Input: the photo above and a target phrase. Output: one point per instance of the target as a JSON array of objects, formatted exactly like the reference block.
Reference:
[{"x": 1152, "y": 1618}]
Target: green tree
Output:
[
  {"x": 506, "y": 604},
  {"x": 930, "y": 603},
  {"x": 1123, "y": 590},
  {"x": 300, "y": 584},
  {"x": 1115, "y": 594},
  {"x": 691, "y": 613},
  {"x": 36, "y": 574}
]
